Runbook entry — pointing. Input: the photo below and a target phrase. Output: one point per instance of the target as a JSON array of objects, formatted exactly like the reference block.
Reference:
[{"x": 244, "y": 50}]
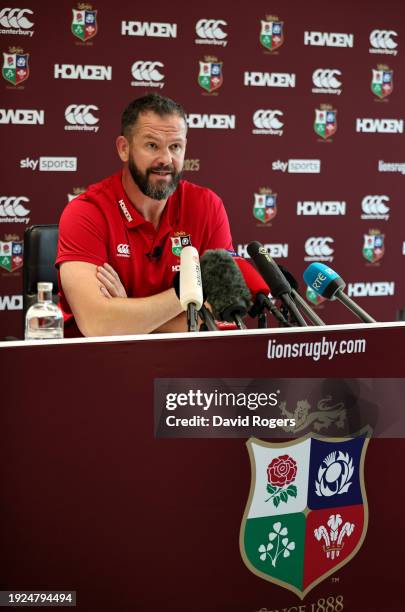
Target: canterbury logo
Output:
[
  {"x": 15, "y": 18},
  {"x": 210, "y": 28},
  {"x": 319, "y": 247},
  {"x": 11, "y": 206},
  {"x": 79, "y": 114},
  {"x": 382, "y": 39},
  {"x": 375, "y": 205},
  {"x": 123, "y": 249},
  {"x": 268, "y": 119},
  {"x": 326, "y": 78},
  {"x": 147, "y": 71}
]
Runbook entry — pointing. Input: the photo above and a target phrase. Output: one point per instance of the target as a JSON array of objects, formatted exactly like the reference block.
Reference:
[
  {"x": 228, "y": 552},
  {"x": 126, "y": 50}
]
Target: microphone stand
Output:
[
  {"x": 312, "y": 316},
  {"x": 208, "y": 323},
  {"x": 192, "y": 318}
]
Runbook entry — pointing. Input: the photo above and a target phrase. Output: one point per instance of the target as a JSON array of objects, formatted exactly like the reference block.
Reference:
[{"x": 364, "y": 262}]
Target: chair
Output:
[{"x": 40, "y": 245}]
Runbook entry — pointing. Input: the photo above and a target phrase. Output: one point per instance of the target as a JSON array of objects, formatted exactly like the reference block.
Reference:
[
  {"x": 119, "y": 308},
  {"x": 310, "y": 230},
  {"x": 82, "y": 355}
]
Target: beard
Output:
[{"x": 160, "y": 189}]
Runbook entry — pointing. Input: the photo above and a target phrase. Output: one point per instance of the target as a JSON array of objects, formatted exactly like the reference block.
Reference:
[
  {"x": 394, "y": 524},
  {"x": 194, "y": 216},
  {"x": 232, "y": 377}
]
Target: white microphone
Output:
[{"x": 191, "y": 293}]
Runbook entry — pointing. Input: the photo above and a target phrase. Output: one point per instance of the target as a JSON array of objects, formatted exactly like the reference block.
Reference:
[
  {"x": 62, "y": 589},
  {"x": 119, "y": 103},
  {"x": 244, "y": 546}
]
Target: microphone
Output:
[
  {"x": 327, "y": 283},
  {"x": 259, "y": 291},
  {"x": 225, "y": 288},
  {"x": 155, "y": 254},
  {"x": 208, "y": 323},
  {"x": 191, "y": 294},
  {"x": 305, "y": 308},
  {"x": 273, "y": 276}
]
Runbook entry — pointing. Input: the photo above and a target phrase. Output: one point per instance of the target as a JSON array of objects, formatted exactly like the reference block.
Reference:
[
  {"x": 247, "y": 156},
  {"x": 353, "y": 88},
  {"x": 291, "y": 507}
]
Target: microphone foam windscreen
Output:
[{"x": 223, "y": 283}]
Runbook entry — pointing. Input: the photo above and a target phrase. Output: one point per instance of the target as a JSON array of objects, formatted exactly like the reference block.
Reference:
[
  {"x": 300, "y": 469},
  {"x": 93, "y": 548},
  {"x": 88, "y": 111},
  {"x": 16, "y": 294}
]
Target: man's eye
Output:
[
  {"x": 151, "y": 145},
  {"x": 175, "y": 147}
]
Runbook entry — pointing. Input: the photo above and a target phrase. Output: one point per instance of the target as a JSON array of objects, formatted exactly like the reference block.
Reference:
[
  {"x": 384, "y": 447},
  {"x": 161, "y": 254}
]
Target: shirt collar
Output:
[{"x": 132, "y": 218}]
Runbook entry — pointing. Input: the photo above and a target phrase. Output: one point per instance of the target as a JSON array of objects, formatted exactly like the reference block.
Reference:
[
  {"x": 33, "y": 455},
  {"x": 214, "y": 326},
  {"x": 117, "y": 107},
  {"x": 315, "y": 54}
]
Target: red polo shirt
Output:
[{"x": 101, "y": 225}]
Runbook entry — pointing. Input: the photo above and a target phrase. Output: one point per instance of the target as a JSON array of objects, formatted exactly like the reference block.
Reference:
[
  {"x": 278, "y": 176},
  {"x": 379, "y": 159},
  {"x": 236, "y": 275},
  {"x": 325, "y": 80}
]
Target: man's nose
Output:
[{"x": 165, "y": 157}]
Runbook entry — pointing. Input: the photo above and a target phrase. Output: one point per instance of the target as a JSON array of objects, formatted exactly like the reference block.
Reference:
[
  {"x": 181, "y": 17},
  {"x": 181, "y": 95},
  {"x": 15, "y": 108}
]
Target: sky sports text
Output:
[{"x": 315, "y": 350}]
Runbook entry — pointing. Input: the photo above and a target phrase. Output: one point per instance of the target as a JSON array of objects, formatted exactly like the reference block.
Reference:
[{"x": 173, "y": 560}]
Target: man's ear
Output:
[{"x": 122, "y": 148}]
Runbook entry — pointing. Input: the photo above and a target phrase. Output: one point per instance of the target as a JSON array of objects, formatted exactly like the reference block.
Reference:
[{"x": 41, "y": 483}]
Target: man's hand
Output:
[
  {"x": 98, "y": 315},
  {"x": 111, "y": 285}
]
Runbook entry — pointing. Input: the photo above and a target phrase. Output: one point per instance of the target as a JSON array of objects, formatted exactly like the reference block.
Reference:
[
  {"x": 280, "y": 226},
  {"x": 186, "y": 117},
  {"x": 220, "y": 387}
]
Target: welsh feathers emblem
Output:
[
  {"x": 265, "y": 206},
  {"x": 210, "y": 75},
  {"x": 307, "y": 512},
  {"x": 382, "y": 82},
  {"x": 15, "y": 66},
  {"x": 271, "y": 34},
  {"x": 373, "y": 247},
  {"x": 325, "y": 124},
  {"x": 84, "y": 22}
]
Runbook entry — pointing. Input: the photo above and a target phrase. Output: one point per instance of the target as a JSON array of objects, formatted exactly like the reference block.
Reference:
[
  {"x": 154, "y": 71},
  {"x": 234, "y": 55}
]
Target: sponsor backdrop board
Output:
[{"x": 296, "y": 117}]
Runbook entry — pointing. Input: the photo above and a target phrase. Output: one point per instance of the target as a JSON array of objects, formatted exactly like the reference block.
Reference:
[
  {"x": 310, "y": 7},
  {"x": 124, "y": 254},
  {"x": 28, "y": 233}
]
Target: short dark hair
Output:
[{"x": 151, "y": 102}]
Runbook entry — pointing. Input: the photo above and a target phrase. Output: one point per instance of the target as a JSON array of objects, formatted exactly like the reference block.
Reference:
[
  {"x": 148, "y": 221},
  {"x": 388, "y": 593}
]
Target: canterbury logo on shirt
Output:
[{"x": 123, "y": 250}]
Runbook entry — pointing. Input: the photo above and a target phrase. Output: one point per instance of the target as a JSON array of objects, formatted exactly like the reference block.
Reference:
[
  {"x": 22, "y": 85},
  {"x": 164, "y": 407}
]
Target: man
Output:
[{"x": 120, "y": 242}]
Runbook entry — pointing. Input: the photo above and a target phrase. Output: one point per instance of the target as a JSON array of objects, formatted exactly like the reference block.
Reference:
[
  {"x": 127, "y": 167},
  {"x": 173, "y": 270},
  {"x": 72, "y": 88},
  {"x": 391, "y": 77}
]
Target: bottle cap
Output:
[{"x": 44, "y": 286}]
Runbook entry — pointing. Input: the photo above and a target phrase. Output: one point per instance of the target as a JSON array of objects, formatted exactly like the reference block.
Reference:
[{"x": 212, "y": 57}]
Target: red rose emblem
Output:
[{"x": 282, "y": 470}]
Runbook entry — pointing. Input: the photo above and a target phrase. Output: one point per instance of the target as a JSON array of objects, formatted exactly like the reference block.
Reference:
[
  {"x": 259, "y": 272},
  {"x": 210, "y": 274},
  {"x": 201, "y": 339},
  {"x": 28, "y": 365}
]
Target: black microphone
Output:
[
  {"x": 304, "y": 307},
  {"x": 273, "y": 276},
  {"x": 155, "y": 254},
  {"x": 225, "y": 287},
  {"x": 259, "y": 291}
]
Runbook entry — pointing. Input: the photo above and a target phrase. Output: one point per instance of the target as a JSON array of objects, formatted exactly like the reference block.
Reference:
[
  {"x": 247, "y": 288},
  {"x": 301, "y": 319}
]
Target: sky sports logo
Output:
[
  {"x": 327, "y": 349},
  {"x": 298, "y": 166},
  {"x": 50, "y": 164}
]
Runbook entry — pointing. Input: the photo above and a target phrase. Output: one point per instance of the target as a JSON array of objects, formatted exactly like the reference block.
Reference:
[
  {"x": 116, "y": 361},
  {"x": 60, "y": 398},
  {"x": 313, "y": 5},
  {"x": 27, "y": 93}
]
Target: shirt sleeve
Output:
[
  {"x": 219, "y": 236},
  {"x": 82, "y": 233}
]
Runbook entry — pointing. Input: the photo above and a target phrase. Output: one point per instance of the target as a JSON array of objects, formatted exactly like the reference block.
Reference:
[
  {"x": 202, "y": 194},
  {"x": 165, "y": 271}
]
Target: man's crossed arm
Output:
[{"x": 101, "y": 307}]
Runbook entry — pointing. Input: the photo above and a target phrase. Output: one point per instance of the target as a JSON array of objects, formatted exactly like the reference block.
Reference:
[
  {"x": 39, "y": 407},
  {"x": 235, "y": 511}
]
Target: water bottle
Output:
[{"x": 44, "y": 320}]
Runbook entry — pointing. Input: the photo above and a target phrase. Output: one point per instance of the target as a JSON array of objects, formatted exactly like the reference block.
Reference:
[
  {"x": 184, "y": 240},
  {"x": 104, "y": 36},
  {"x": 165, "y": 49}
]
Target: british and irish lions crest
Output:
[
  {"x": 210, "y": 76},
  {"x": 325, "y": 124},
  {"x": 307, "y": 512},
  {"x": 84, "y": 21},
  {"x": 179, "y": 241},
  {"x": 265, "y": 205},
  {"x": 382, "y": 81},
  {"x": 373, "y": 246},
  {"x": 15, "y": 66},
  {"x": 271, "y": 33}
]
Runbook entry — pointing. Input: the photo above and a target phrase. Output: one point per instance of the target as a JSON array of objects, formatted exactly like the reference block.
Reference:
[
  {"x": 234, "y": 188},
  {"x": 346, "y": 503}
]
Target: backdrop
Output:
[{"x": 296, "y": 116}]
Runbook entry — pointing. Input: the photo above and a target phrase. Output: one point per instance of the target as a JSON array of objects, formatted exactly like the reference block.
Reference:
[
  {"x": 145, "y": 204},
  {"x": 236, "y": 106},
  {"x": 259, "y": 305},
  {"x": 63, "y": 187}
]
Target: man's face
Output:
[{"x": 156, "y": 154}]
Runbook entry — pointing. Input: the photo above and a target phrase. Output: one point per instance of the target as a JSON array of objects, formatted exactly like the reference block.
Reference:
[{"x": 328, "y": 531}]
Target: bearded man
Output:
[{"x": 120, "y": 241}]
